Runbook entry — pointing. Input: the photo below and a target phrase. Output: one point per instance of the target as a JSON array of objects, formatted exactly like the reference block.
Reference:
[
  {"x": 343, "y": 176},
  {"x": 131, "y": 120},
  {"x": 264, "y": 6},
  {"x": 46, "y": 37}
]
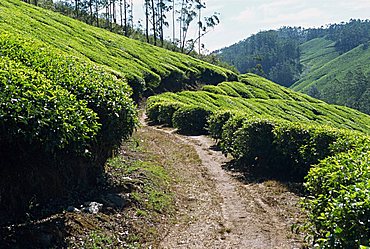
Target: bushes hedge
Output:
[
  {"x": 59, "y": 121},
  {"x": 104, "y": 93},
  {"x": 339, "y": 201},
  {"x": 162, "y": 112},
  {"x": 276, "y": 147},
  {"x": 191, "y": 120},
  {"x": 36, "y": 112}
]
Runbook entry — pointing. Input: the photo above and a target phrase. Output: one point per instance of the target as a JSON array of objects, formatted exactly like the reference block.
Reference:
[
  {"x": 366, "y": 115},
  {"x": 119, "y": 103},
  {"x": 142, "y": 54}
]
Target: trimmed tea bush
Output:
[
  {"x": 191, "y": 120},
  {"x": 34, "y": 112},
  {"x": 216, "y": 122},
  {"x": 162, "y": 112},
  {"x": 339, "y": 202},
  {"x": 60, "y": 119}
]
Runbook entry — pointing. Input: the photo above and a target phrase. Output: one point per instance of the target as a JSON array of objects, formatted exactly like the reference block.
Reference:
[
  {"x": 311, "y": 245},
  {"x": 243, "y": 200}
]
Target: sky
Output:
[{"x": 239, "y": 19}]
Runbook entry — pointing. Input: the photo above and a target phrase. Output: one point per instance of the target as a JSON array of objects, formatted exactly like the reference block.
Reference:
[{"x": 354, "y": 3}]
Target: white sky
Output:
[{"x": 242, "y": 18}]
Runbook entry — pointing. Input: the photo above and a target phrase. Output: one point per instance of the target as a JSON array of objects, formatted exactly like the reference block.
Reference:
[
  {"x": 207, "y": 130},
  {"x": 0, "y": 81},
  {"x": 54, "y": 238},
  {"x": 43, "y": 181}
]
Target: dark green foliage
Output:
[
  {"x": 216, "y": 122},
  {"x": 339, "y": 201},
  {"x": 104, "y": 93},
  {"x": 278, "y": 148},
  {"x": 191, "y": 120},
  {"x": 349, "y": 35},
  {"x": 253, "y": 147},
  {"x": 162, "y": 112}
]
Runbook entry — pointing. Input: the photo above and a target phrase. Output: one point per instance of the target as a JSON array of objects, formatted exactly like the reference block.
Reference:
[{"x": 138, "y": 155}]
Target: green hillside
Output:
[
  {"x": 328, "y": 63},
  {"x": 343, "y": 79},
  {"x": 316, "y": 53},
  {"x": 146, "y": 68}
]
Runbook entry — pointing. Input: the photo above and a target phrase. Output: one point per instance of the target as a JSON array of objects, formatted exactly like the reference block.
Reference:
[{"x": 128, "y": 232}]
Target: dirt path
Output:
[{"x": 216, "y": 210}]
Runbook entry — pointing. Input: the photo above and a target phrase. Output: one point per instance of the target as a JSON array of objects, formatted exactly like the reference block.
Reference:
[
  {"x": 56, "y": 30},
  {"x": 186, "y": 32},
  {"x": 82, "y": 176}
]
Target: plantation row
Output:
[
  {"x": 308, "y": 110},
  {"x": 60, "y": 118},
  {"x": 253, "y": 86},
  {"x": 288, "y": 140},
  {"x": 148, "y": 69}
]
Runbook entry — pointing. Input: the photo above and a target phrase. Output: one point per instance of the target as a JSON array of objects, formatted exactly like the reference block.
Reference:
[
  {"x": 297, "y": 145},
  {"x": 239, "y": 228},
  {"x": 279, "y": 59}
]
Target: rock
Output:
[
  {"x": 72, "y": 209},
  {"x": 92, "y": 207},
  {"x": 118, "y": 201}
]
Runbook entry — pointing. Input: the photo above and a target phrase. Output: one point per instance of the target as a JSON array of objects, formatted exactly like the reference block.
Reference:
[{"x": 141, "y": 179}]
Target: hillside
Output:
[
  {"x": 343, "y": 79},
  {"x": 329, "y": 63},
  {"x": 147, "y": 68}
]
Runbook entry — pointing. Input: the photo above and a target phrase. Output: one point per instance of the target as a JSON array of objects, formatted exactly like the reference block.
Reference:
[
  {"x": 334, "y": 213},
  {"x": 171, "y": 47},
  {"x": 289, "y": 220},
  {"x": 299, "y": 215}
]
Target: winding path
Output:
[{"x": 219, "y": 211}]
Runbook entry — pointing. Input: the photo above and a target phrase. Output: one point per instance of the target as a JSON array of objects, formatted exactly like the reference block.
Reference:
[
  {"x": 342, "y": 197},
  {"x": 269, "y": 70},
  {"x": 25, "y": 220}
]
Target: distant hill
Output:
[
  {"x": 327, "y": 63},
  {"x": 342, "y": 79}
]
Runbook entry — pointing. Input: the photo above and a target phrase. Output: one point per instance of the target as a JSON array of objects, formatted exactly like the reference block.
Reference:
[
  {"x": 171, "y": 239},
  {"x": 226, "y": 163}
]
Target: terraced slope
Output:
[
  {"x": 146, "y": 68},
  {"x": 256, "y": 97},
  {"x": 343, "y": 79}
]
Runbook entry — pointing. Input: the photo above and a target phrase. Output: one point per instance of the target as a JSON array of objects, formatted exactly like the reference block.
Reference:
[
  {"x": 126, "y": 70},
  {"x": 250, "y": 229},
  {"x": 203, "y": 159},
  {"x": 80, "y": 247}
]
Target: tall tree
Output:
[{"x": 147, "y": 20}]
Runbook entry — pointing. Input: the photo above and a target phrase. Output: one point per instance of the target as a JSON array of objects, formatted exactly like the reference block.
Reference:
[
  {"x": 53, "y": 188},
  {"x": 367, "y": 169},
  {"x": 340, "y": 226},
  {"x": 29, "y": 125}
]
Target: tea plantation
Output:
[
  {"x": 274, "y": 132},
  {"x": 67, "y": 100},
  {"x": 66, "y": 97},
  {"x": 147, "y": 68}
]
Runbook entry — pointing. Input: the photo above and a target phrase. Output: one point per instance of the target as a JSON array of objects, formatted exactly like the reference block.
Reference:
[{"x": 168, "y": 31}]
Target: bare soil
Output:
[{"x": 217, "y": 210}]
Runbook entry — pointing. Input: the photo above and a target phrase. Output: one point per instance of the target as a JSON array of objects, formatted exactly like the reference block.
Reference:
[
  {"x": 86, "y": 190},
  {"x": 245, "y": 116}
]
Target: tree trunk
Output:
[
  {"x": 147, "y": 20},
  {"x": 161, "y": 22},
  {"x": 91, "y": 12},
  {"x": 126, "y": 28},
  {"x": 199, "y": 30},
  {"x": 121, "y": 13},
  {"x": 173, "y": 22},
  {"x": 154, "y": 24},
  {"x": 97, "y": 12},
  {"x": 76, "y": 8}
]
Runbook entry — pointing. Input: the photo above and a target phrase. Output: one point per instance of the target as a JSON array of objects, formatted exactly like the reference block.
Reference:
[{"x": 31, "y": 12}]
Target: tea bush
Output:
[
  {"x": 148, "y": 69},
  {"x": 37, "y": 113},
  {"x": 276, "y": 147},
  {"x": 191, "y": 120},
  {"x": 162, "y": 112},
  {"x": 289, "y": 110},
  {"x": 339, "y": 202},
  {"x": 216, "y": 122},
  {"x": 104, "y": 93},
  {"x": 60, "y": 119}
]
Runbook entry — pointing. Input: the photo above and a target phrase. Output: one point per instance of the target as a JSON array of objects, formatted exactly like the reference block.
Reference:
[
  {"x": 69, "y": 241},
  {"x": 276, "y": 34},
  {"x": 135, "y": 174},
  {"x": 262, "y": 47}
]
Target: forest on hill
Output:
[{"x": 328, "y": 62}]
